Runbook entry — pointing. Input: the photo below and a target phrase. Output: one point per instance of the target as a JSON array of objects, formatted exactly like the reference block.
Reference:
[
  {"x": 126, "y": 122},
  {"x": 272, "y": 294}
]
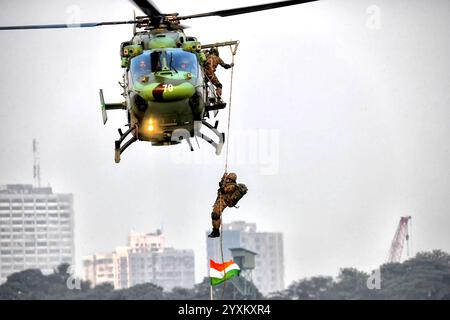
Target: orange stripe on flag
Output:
[{"x": 220, "y": 266}]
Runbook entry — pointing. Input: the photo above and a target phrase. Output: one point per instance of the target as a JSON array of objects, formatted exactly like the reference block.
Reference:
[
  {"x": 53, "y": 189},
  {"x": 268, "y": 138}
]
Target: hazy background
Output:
[{"x": 340, "y": 125}]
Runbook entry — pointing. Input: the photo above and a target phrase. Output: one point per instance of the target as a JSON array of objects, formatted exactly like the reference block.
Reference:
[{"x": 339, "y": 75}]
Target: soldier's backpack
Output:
[{"x": 241, "y": 190}]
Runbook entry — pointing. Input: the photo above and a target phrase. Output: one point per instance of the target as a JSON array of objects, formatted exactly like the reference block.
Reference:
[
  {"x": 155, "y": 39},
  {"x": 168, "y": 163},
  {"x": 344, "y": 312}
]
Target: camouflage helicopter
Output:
[{"x": 167, "y": 96}]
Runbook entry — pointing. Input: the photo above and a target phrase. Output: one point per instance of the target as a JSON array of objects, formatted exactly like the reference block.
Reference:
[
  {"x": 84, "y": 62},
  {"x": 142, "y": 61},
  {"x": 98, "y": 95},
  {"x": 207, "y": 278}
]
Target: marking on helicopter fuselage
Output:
[{"x": 158, "y": 92}]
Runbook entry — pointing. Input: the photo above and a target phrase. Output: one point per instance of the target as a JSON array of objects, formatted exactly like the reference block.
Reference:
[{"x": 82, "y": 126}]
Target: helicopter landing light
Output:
[{"x": 151, "y": 125}]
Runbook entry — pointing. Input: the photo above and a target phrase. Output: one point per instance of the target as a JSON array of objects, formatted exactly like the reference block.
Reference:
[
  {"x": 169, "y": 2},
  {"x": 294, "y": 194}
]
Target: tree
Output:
[
  {"x": 180, "y": 294},
  {"x": 426, "y": 276},
  {"x": 351, "y": 284},
  {"x": 314, "y": 288},
  {"x": 146, "y": 291},
  {"x": 24, "y": 285}
]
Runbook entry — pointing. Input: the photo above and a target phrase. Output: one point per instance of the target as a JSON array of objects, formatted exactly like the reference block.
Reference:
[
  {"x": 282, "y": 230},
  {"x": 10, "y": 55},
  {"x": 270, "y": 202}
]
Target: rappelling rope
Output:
[{"x": 233, "y": 53}]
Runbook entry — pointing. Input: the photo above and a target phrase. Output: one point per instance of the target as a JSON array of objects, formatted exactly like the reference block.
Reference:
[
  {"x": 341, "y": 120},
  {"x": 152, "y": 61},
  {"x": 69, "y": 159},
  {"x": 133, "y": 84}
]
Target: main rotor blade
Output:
[
  {"x": 148, "y": 7},
  {"x": 68, "y": 26},
  {"x": 242, "y": 10}
]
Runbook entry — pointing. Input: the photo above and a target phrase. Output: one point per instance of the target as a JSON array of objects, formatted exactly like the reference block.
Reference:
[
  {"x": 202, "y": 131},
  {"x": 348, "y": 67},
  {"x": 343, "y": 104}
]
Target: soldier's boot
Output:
[
  {"x": 216, "y": 224},
  {"x": 214, "y": 234}
]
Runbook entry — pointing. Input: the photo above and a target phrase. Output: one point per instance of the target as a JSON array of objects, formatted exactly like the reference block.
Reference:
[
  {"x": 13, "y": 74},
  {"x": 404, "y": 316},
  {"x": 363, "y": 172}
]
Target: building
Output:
[
  {"x": 169, "y": 268},
  {"x": 36, "y": 229},
  {"x": 99, "y": 269},
  {"x": 146, "y": 259},
  {"x": 268, "y": 275}
]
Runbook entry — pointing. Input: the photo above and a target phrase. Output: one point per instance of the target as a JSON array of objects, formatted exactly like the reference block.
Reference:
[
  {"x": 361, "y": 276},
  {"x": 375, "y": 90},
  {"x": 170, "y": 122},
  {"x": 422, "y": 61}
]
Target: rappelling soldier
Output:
[
  {"x": 228, "y": 195},
  {"x": 212, "y": 61}
]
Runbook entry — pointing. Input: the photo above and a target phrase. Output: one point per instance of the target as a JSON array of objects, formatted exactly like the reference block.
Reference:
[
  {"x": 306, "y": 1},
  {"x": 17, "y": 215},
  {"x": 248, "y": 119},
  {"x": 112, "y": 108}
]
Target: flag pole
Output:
[
  {"x": 211, "y": 291},
  {"x": 210, "y": 285}
]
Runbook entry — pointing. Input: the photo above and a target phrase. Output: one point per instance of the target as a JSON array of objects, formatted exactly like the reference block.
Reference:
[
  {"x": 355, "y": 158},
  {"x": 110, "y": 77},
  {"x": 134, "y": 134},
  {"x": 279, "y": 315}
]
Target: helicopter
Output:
[{"x": 167, "y": 95}]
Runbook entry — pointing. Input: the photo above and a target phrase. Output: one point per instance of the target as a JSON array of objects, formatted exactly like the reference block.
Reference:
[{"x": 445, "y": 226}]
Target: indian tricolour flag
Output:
[{"x": 219, "y": 272}]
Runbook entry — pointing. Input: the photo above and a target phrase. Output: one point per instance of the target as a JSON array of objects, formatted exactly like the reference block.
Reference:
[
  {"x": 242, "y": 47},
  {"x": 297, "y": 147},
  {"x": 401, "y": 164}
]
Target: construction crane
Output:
[{"x": 402, "y": 234}]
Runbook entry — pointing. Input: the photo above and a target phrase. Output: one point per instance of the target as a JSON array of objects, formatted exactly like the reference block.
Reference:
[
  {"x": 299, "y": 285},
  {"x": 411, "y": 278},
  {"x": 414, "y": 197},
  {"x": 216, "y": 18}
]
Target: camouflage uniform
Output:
[
  {"x": 212, "y": 61},
  {"x": 228, "y": 195}
]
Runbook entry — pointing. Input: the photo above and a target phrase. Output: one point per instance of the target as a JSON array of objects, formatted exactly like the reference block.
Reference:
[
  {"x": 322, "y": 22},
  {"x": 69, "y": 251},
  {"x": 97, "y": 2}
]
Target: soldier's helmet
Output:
[
  {"x": 214, "y": 51},
  {"x": 232, "y": 176}
]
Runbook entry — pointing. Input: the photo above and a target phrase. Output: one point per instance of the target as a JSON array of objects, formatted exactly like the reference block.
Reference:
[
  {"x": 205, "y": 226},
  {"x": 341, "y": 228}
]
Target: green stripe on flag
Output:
[{"x": 230, "y": 274}]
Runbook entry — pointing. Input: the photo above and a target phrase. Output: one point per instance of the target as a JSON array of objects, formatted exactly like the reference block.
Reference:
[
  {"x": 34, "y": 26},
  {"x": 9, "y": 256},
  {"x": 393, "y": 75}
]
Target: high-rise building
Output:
[
  {"x": 36, "y": 229},
  {"x": 144, "y": 260},
  {"x": 268, "y": 275}
]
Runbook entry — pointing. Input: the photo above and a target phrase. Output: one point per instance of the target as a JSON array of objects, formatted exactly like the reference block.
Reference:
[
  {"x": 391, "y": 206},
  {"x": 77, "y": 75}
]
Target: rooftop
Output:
[{"x": 24, "y": 189}]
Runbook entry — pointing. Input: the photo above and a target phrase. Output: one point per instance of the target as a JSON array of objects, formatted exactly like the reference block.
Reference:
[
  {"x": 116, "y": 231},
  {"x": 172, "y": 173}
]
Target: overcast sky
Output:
[{"x": 340, "y": 125}]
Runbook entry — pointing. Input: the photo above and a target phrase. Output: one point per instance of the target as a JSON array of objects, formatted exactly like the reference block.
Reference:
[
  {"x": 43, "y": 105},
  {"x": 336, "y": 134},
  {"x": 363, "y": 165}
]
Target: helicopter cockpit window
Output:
[
  {"x": 143, "y": 65},
  {"x": 183, "y": 61},
  {"x": 178, "y": 61}
]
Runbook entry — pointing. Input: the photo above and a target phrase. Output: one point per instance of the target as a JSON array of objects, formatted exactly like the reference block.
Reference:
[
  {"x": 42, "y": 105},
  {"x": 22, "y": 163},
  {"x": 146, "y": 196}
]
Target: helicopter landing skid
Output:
[
  {"x": 119, "y": 149},
  {"x": 217, "y": 145}
]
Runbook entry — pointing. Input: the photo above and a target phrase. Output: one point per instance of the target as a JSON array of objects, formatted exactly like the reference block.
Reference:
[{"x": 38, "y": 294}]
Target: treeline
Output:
[{"x": 426, "y": 276}]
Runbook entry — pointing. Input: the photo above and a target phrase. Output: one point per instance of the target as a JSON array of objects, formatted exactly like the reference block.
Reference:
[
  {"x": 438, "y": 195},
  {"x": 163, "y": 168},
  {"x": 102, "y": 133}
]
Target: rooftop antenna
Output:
[{"x": 36, "y": 165}]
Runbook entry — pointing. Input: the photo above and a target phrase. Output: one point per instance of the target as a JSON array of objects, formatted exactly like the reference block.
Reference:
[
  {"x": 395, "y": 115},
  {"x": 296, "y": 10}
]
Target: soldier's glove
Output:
[
  {"x": 228, "y": 66},
  {"x": 222, "y": 187}
]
